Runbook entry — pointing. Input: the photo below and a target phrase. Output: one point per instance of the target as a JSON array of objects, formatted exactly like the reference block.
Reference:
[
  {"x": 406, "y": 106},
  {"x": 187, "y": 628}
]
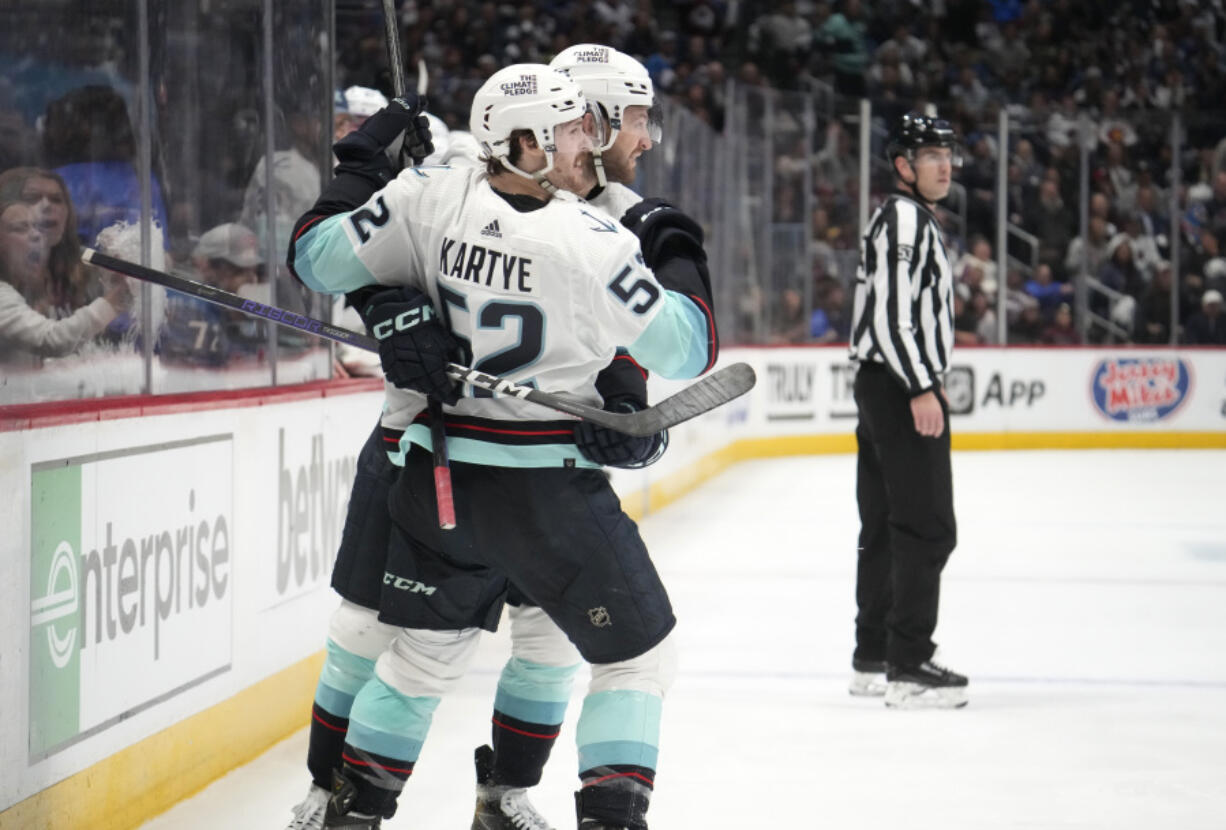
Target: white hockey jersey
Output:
[{"x": 542, "y": 297}]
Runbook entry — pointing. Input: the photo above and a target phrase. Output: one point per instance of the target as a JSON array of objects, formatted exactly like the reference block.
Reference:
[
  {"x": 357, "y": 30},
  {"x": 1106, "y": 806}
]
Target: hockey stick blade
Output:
[
  {"x": 716, "y": 389},
  {"x": 712, "y": 391}
]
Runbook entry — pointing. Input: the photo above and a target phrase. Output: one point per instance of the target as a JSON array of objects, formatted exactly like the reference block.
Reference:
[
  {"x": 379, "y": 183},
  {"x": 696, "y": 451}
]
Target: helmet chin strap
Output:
[
  {"x": 538, "y": 176},
  {"x": 598, "y": 162}
]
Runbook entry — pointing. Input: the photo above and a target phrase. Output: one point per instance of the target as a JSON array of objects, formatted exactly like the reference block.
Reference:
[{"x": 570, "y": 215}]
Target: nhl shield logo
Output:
[{"x": 599, "y": 617}]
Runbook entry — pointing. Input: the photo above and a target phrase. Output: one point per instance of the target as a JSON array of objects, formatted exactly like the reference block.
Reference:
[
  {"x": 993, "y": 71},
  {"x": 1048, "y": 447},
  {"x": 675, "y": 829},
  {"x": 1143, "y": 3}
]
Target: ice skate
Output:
[
  {"x": 867, "y": 678},
  {"x": 309, "y": 813},
  {"x": 926, "y": 686},
  {"x": 340, "y": 800},
  {"x": 502, "y": 807}
]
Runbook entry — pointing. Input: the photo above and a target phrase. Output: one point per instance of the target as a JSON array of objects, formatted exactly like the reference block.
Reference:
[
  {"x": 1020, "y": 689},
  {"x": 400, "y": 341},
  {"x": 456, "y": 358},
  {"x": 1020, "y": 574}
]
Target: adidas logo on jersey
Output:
[{"x": 492, "y": 229}]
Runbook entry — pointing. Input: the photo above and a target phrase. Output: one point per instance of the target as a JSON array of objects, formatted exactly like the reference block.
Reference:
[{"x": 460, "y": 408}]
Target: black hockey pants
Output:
[{"x": 907, "y": 529}]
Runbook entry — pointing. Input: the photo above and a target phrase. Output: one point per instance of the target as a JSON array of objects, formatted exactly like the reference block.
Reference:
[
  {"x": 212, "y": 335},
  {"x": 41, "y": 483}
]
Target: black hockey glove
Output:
[
  {"x": 395, "y": 137},
  {"x": 663, "y": 231},
  {"x": 611, "y": 448},
  {"x": 414, "y": 347},
  {"x": 623, "y": 386}
]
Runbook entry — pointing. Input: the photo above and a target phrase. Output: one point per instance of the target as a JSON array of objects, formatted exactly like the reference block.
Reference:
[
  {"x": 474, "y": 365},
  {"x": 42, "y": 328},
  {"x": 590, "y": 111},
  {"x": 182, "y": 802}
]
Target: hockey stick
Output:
[
  {"x": 709, "y": 392},
  {"x": 438, "y": 432}
]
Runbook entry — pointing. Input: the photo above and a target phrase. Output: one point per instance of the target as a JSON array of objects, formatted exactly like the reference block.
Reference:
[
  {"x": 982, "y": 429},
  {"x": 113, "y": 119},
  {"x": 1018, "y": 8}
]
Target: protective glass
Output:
[
  {"x": 645, "y": 121},
  {"x": 596, "y": 125}
]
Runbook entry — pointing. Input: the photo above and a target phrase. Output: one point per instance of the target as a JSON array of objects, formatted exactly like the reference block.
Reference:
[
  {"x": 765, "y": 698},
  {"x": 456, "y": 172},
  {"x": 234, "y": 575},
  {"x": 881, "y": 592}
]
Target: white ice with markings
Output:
[{"x": 1086, "y": 601}]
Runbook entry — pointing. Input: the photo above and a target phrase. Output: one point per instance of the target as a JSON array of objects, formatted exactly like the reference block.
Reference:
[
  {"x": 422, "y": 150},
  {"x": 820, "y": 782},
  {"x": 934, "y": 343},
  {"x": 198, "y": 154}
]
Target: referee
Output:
[{"x": 902, "y": 335}]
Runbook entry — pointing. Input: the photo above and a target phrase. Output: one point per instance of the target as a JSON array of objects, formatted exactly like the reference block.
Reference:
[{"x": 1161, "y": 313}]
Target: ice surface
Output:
[{"x": 1086, "y": 601}]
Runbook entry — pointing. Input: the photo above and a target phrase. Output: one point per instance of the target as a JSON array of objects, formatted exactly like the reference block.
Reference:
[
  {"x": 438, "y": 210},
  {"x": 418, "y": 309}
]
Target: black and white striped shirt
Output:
[{"x": 903, "y": 312}]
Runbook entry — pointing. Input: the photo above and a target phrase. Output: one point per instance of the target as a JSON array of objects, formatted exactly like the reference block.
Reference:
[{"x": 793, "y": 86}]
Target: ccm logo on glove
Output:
[{"x": 403, "y": 321}]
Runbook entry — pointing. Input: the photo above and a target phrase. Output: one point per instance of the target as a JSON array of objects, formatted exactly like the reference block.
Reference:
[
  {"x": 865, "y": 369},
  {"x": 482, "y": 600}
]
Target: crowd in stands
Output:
[{"x": 1129, "y": 68}]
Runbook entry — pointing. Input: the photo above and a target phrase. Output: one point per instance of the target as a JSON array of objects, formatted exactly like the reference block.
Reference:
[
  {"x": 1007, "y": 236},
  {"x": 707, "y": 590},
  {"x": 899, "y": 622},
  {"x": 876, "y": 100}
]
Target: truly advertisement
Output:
[
  {"x": 790, "y": 389},
  {"x": 1140, "y": 389},
  {"x": 130, "y": 583}
]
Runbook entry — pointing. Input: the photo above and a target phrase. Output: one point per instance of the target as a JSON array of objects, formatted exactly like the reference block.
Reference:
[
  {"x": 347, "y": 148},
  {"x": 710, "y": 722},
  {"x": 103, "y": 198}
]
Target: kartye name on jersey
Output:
[{"x": 485, "y": 266}]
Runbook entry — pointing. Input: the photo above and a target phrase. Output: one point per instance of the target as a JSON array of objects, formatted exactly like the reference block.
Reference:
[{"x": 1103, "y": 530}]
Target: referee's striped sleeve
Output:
[{"x": 893, "y": 326}]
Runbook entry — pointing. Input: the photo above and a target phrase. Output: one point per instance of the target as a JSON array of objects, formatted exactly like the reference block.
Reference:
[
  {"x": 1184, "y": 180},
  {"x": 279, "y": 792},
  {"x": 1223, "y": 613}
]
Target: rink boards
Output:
[{"x": 168, "y": 563}]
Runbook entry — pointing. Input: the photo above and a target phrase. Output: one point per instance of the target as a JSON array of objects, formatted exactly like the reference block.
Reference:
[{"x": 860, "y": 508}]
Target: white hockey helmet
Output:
[
  {"x": 610, "y": 78},
  {"x": 524, "y": 96},
  {"x": 360, "y": 101}
]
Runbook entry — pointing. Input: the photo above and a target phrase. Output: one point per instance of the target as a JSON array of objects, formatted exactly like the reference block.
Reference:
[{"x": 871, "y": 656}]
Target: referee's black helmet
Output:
[{"x": 915, "y": 130}]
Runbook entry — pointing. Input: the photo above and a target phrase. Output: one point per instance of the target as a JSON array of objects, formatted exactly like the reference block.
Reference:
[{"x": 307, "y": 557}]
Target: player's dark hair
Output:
[{"x": 493, "y": 166}]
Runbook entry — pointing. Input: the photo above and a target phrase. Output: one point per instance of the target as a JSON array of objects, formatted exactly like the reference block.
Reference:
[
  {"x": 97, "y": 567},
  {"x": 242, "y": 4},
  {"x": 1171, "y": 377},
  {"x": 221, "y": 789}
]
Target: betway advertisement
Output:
[
  {"x": 130, "y": 584},
  {"x": 315, "y": 475}
]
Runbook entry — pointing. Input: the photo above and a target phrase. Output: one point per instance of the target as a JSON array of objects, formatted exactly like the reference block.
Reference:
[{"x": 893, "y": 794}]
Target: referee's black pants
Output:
[{"x": 904, "y": 489}]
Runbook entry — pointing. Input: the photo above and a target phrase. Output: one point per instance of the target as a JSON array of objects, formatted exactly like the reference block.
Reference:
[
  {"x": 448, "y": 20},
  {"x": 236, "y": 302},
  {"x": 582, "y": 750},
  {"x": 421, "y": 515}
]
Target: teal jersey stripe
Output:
[
  {"x": 333, "y": 701},
  {"x": 474, "y": 451},
  {"x": 674, "y": 344},
  {"x": 343, "y": 675},
  {"x": 610, "y": 753},
  {"x": 535, "y": 692},
  {"x": 325, "y": 260},
  {"x": 619, "y": 727},
  {"x": 532, "y": 711},
  {"x": 385, "y": 722},
  {"x": 372, "y": 740}
]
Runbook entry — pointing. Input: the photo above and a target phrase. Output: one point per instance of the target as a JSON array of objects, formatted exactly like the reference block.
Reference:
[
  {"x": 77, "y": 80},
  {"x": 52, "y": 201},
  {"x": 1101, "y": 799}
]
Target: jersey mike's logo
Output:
[
  {"x": 526, "y": 85},
  {"x": 1140, "y": 389}
]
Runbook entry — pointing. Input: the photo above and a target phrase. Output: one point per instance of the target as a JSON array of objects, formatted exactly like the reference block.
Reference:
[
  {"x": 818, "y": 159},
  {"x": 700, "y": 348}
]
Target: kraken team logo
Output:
[
  {"x": 58, "y": 602},
  {"x": 599, "y": 617}
]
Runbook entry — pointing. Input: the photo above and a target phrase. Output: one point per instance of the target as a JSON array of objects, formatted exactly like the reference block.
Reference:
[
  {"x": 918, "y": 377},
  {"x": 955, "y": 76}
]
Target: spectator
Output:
[
  {"x": 835, "y": 165},
  {"x": 1094, "y": 252},
  {"x": 791, "y": 320},
  {"x": 1051, "y": 222},
  {"x": 830, "y": 321},
  {"x": 352, "y": 107},
  {"x": 88, "y": 140},
  {"x": 970, "y": 92},
  {"x": 203, "y": 334},
  {"x": 1016, "y": 297},
  {"x": 1119, "y": 271},
  {"x": 1047, "y": 293},
  {"x": 966, "y": 319},
  {"x": 1207, "y": 327},
  {"x": 979, "y": 257},
  {"x": 985, "y": 315},
  {"x": 64, "y": 284},
  {"x": 845, "y": 34},
  {"x": 1154, "y": 220},
  {"x": 295, "y": 180},
  {"x": 1028, "y": 329},
  {"x": 1153, "y": 316},
  {"x": 1060, "y": 331},
  {"x": 26, "y": 335},
  {"x": 228, "y": 256}
]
